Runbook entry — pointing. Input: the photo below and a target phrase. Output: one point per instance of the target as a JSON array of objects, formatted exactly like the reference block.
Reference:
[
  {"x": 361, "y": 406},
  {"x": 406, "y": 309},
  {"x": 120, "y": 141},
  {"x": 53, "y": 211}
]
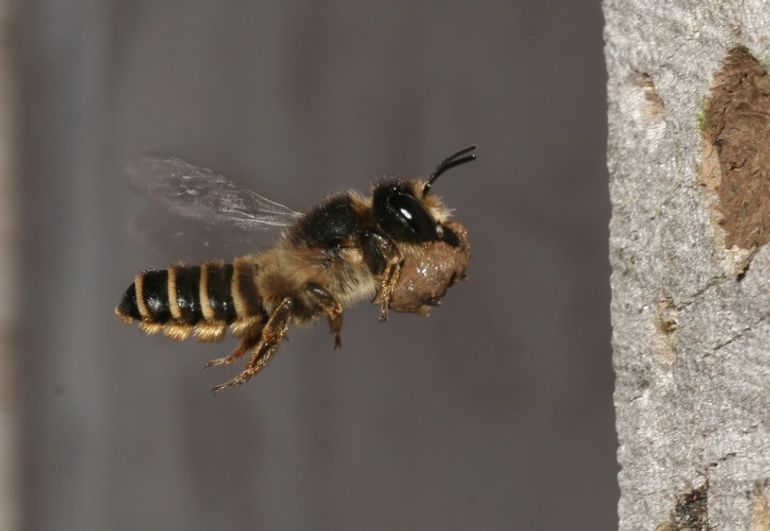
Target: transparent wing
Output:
[
  {"x": 199, "y": 193},
  {"x": 203, "y": 214},
  {"x": 177, "y": 239}
]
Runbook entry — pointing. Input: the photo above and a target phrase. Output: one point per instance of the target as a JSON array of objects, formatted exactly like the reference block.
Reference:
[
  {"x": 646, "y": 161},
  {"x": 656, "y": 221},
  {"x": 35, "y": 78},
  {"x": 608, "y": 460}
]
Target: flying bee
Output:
[{"x": 397, "y": 248}]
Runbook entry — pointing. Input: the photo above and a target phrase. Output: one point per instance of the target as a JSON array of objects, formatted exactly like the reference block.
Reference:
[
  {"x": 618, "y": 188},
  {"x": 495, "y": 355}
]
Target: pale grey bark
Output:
[{"x": 690, "y": 333}]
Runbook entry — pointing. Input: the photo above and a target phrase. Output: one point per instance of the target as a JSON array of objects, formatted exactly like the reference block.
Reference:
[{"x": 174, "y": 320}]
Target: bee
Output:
[{"x": 397, "y": 248}]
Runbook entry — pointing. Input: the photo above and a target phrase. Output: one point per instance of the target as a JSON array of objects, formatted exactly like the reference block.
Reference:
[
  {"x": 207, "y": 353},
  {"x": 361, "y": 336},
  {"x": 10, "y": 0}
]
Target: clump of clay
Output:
[
  {"x": 736, "y": 127},
  {"x": 429, "y": 271}
]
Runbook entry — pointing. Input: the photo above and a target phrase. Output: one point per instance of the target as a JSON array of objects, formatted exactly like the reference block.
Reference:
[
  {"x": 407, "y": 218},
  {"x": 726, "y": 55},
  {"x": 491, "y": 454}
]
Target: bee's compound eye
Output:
[
  {"x": 449, "y": 236},
  {"x": 412, "y": 219}
]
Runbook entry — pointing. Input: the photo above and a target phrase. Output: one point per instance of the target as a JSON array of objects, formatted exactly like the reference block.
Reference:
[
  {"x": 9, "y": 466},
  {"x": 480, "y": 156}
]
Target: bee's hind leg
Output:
[
  {"x": 272, "y": 334},
  {"x": 331, "y": 307},
  {"x": 250, "y": 340}
]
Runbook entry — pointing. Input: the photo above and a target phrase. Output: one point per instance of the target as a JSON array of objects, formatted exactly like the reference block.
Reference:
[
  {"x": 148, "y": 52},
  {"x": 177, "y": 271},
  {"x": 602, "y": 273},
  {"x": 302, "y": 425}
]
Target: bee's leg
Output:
[
  {"x": 272, "y": 334},
  {"x": 383, "y": 258},
  {"x": 387, "y": 287},
  {"x": 250, "y": 340},
  {"x": 331, "y": 307}
]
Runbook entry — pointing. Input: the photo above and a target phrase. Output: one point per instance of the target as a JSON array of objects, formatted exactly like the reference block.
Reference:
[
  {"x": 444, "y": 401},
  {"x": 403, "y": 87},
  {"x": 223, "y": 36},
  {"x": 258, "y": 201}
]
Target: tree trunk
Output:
[{"x": 689, "y": 161}]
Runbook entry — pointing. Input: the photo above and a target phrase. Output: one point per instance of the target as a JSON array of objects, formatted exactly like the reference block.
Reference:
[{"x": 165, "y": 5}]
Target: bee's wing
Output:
[
  {"x": 204, "y": 214},
  {"x": 199, "y": 193}
]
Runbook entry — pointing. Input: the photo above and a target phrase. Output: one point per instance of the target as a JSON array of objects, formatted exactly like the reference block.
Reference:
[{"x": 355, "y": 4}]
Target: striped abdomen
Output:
[{"x": 201, "y": 300}]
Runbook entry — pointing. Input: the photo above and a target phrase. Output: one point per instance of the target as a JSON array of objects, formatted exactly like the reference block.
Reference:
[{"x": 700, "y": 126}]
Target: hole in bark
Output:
[
  {"x": 651, "y": 97},
  {"x": 667, "y": 320},
  {"x": 640, "y": 102},
  {"x": 690, "y": 511},
  {"x": 742, "y": 274},
  {"x": 760, "y": 511}
]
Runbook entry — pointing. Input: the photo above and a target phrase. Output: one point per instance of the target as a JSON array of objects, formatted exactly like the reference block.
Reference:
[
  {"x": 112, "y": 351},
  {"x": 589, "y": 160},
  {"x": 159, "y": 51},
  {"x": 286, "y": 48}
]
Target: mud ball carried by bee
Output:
[{"x": 429, "y": 272}]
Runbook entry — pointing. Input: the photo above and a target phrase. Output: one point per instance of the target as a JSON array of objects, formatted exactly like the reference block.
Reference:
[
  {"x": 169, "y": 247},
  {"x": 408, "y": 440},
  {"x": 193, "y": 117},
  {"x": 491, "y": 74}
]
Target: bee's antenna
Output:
[{"x": 450, "y": 162}]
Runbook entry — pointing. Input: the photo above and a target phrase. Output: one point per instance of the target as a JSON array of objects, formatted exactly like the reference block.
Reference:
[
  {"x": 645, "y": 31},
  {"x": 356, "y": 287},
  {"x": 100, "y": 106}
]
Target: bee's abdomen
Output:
[
  {"x": 202, "y": 300},
  {"x": 216, "y": 292}
]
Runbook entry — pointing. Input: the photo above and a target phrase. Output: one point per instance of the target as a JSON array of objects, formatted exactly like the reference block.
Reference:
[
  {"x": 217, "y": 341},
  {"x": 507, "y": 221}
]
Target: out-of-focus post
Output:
[{"x": 9, "y": 418}]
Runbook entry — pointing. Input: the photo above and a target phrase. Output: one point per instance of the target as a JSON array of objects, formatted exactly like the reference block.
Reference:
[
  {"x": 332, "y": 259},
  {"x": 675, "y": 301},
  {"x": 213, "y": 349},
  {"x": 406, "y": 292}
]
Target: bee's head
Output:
[{"x": 407, "y": 212}]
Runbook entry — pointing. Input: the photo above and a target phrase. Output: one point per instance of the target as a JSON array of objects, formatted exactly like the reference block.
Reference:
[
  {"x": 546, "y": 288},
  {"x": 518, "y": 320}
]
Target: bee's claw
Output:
[
  {"x": 235, "y": 382},
  {"x": 217, "y": 362}
]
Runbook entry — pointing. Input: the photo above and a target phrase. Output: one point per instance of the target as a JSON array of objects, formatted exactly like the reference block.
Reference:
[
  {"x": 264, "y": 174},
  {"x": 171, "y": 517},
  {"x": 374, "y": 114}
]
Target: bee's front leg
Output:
[
  {"x": 384, "y": 259},
  {"x": 272, "y": 334},
  {"x": 330, "y": 306}
]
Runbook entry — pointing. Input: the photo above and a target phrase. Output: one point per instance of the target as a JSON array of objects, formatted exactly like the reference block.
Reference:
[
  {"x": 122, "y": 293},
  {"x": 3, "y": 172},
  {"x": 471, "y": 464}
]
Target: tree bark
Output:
[{"x": 689, "y": 161}]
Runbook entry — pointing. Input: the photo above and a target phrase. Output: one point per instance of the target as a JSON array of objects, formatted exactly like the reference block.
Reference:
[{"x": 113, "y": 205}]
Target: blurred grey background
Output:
[{"x": 494, "y": 413}]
